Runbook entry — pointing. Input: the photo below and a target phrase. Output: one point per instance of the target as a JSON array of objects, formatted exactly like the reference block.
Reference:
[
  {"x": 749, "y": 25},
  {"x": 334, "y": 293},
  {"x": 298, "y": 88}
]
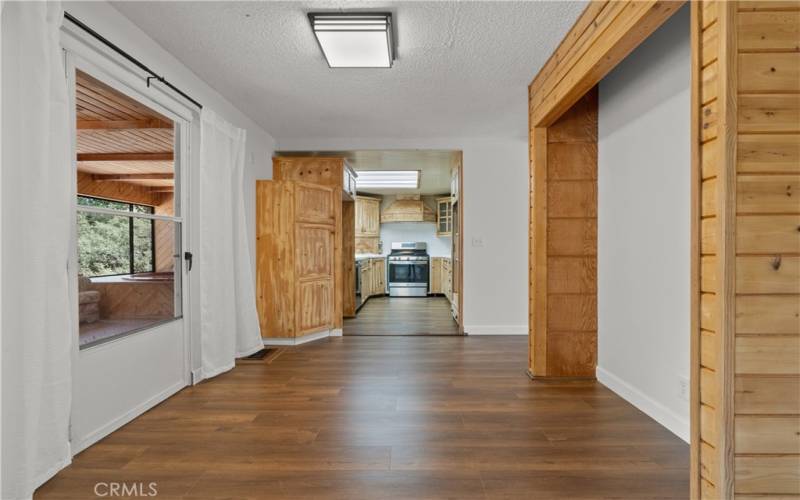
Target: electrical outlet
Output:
[
  {"x": 477, "y": 242},
  {"x": 683, "y": 388}
]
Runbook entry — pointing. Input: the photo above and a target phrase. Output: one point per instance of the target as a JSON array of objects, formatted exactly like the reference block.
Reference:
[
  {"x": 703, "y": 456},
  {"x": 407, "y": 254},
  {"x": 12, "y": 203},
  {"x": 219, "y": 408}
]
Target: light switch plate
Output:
[{"x": 477, "y": 242}]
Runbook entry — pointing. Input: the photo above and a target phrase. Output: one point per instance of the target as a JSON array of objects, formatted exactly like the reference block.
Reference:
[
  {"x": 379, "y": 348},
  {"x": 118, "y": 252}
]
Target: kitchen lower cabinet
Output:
[
  {"x": 373, "y": 278},
  {"x": 442, "y": 276}
]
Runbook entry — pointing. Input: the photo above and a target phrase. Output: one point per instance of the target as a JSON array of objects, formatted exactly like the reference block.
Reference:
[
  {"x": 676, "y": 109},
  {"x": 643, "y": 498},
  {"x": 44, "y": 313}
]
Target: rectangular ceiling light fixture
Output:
[
  {"x": 387, "y": 179},
  {"x": 352, "y": 40}
]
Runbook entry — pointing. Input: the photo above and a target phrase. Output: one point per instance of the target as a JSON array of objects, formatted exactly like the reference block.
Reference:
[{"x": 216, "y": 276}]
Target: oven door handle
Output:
[{"x": 409, "y": 263}]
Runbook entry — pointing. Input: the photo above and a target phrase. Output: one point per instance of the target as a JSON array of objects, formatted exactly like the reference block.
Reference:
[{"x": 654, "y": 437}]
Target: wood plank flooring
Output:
[
  {"x": 389, "y": 418},
  {"x": 403, "y": 316}
]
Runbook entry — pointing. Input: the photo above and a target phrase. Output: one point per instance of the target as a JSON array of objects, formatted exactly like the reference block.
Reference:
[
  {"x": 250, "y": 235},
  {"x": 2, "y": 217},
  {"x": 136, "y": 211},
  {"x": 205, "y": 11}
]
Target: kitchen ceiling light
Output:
[
  {"x": 350, "y": 40},
  {"x": 387, "y": 179}
]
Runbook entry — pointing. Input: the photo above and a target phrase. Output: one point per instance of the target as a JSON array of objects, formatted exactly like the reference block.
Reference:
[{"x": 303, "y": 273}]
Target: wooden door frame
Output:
[
  {"x": 602, "y": 37},
  {"x": 460, "y": 270}
]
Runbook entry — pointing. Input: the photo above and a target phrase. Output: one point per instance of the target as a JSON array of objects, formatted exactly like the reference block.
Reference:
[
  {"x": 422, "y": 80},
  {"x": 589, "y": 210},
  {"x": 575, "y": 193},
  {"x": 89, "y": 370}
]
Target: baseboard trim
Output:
[
  {"x": 278, "y": 341},
  {"x": 197, "y": 376},
  {"x": 496, "y": 329},
  {"x": 123, "y": 419},
  {"x": 658, "y": 412}
]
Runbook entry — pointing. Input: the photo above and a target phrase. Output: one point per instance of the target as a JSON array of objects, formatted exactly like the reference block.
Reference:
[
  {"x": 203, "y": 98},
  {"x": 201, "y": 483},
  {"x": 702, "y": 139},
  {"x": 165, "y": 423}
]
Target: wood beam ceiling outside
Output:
[
  {"x": 132, "y": 177},
  {"x": 166, "y": 156},
  {"x": 122, "y": 124}
]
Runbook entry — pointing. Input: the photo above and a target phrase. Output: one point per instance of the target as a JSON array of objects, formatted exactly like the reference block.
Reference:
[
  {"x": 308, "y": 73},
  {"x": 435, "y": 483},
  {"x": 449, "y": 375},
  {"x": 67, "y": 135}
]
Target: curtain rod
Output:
[{"x": 136, "y": 62}]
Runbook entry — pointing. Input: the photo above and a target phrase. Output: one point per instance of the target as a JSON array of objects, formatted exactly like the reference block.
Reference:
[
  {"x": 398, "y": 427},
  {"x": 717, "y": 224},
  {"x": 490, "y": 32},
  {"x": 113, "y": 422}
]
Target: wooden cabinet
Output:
[
  {"x": 295, "y": 258},
  {"x": 373, "y": 278},
  {"x": 349, "y": 181},
  {"x": 436, "y": 275},
  {"x": 442, "y": 276},
  {"x": 444, "y": 216},
  {"x": 314, "y": 306},
  {"x": 312, "y": 207},
  {"x": 368, "y": 216},
  {"x": 447, "y": 279},
  {"x": 367, "y": 224},
  {"x": 379, "y": 276}
]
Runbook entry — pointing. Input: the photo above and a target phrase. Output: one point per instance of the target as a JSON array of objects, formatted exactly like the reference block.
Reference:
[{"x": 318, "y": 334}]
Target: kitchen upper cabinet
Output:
[
  {"x": 295, "y": 258},
  {"x": 349, "y": 181},
  {"x": 444, "y": 216},
  {"x": 368, "y": 217}
]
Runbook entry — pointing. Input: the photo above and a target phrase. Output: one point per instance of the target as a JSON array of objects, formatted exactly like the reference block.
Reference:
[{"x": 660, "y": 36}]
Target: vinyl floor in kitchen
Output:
[{"x": 403, "y": 316}]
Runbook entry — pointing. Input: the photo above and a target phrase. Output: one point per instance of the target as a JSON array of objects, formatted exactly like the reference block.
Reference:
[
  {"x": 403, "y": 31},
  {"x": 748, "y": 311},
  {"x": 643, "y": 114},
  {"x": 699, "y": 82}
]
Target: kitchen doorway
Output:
[{"x": 402, "y": 242}]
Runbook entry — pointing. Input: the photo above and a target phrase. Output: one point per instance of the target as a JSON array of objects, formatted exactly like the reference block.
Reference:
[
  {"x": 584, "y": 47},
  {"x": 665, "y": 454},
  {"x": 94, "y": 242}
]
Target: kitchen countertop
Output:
[{"x": 362, "y": 256}]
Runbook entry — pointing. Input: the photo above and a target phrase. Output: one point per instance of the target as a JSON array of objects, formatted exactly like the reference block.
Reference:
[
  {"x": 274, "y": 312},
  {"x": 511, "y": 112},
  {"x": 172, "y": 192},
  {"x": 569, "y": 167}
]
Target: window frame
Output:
[{"x": 131, "y": 214}]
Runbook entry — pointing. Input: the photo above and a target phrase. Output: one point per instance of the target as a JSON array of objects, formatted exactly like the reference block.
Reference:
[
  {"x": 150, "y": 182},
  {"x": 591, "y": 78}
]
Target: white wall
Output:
[
  {"x": 438, "y": 246},
  {"x": 644, "y": 226},
  {"x": 495, "y": 206}
]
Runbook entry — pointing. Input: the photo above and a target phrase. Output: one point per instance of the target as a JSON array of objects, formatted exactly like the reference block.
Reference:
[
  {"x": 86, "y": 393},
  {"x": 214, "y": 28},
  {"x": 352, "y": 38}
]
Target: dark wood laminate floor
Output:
[
  {"x": 389, "y": 418},
  {"x": 403, "y": 316}
]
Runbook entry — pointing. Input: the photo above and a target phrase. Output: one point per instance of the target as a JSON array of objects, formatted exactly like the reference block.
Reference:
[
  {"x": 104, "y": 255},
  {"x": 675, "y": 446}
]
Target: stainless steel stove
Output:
[{"x": 409, "y": 269}]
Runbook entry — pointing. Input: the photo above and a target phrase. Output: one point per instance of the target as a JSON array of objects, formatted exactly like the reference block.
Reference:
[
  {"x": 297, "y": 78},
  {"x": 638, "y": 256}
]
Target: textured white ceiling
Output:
[{"x": 462, "y": 68}]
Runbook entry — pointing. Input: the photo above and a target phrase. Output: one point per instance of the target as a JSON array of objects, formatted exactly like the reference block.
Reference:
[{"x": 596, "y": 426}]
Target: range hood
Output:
[{"x": 407, "y": 208}]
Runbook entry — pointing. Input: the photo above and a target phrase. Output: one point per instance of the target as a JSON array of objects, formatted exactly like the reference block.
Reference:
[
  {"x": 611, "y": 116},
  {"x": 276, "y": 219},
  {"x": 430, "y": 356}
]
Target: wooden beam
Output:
[
  {"x": 126, "y": 156},
  {"x": 537, "y": 350},
  {"x": 602, "y": 37},
  {"x": 132, "y": 177},
  {"x": 122, "y": 124}
]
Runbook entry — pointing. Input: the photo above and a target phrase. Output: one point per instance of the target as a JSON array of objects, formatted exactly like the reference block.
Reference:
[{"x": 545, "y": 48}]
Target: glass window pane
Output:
[
  {"x": 114, "y": 306},
  {"x": 143, "y": 251},
  {"x": 103, "y": 244}
]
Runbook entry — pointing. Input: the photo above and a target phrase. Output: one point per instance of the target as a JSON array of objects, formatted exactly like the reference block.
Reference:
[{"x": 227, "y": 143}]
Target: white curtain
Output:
[
  {"x": 228, "y": 318},
  {"x": 36, "y": 228}
]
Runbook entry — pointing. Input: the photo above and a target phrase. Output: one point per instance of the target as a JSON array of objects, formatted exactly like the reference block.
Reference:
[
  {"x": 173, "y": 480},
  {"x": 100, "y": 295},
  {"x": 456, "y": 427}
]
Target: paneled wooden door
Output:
[{"x": 314, "y": 263}]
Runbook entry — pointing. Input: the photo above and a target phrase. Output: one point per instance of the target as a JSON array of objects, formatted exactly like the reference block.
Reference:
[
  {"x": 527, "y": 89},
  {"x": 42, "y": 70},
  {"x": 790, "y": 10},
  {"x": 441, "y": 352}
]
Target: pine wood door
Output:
[{"x": 314, "y": 264}]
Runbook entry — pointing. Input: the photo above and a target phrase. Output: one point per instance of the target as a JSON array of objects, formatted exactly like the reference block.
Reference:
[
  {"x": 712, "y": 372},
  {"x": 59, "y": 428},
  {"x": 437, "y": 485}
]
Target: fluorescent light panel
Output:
[
  {"x": 387, "y": 179},
  {"x": 354, "y": 40}
]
